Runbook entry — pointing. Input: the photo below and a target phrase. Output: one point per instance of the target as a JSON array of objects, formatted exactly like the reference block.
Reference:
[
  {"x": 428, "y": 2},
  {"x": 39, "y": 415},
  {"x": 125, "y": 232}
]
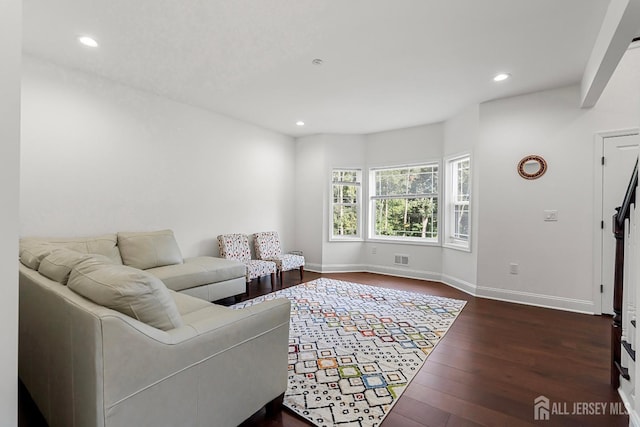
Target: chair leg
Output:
[
  {"x": 301, "y": 273},
  {"x": 273, "y": 281}
]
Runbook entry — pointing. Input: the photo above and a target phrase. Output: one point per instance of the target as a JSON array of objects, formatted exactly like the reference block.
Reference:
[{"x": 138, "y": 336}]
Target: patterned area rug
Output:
[{"x": 354, "y": 348}]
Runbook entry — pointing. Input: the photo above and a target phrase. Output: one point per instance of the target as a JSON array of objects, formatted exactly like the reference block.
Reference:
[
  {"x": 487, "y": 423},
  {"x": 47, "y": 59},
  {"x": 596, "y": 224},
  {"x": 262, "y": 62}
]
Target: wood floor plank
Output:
[
  {"x": 395, "y": 419},
  {"x": 484, "y": 415},
  {"x": 420, "y": 412},
  {"x": 495, "y": 359}
]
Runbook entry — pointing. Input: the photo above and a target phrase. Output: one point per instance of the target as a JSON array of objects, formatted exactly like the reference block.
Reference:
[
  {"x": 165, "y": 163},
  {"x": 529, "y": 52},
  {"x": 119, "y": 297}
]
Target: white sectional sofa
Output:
[
  {"x": 104, "y": 344},
  {"x": 157, "y": 252}
]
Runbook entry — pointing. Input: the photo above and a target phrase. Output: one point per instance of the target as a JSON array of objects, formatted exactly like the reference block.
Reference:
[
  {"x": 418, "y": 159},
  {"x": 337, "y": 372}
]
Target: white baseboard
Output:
[
  {"x": 538, "y": 300},
  {"x": 459, "y": 284},
  {"x": 336, "y": 268},
  {"x": 316, "y": 268},
  {"x": 507, "y": 295},
  {"x": 405, "y": 272}
]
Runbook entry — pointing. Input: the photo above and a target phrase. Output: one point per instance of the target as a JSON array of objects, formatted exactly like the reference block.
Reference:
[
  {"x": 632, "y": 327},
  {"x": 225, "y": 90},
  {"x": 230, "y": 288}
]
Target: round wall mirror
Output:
[{"x": 532, "y": 167}]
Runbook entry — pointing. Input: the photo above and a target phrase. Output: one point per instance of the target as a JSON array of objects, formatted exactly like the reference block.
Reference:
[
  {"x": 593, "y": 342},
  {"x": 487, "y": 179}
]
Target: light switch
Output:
[{"x": 551, "y": 215}]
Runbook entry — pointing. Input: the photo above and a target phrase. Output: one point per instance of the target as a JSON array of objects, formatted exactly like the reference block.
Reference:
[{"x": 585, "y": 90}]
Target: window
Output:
[
  {"x": 404, "y": 203},
  {"x": 458, "y": 196},
  {"x": 345, "y": 204}
]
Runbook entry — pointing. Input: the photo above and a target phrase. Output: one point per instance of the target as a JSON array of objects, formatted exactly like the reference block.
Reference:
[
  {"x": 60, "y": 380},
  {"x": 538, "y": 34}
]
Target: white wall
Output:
[
  {"x": 316, "y": 156},
  {"x": 99, "y": 157},
  {"x": 555, "y": 258},
  {"x": 461, "y": 136},
  {"x": 552, "y": 256},
  {"x": 397, "y": 147},
  {"x": 10, "y": 48},
  {"x": 309, "y": 198},
  {"x": 341, "y": 151}
]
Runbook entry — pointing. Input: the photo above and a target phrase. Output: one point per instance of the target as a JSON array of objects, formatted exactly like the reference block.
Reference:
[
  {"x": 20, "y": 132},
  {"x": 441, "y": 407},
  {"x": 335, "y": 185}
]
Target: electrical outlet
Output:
[
  {"x": 551, "y": 215},
  {"x": 374, "y": 250},
  {"x": 514, "y": 268}
]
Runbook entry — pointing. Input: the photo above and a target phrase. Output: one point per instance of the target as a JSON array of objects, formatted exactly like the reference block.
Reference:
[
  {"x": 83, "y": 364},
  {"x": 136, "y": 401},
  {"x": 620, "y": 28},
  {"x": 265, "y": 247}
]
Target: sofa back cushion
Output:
[
  {"x": 128, "y": 290},
  {"x": 149, "y": 249},
  {"x": 58, "y": 264},
  {"x": 105, "y": 244},
  {"x": 33, "y": 255}
]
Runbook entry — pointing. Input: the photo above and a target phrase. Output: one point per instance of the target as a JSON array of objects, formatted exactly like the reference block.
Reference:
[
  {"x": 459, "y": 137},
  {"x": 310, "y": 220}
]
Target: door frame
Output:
[{"x": 597, "y": 209}]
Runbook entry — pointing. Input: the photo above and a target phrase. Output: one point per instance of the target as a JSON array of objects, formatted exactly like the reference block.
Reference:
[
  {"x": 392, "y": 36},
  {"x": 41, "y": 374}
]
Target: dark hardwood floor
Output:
[{"x": 488, "y": 369}]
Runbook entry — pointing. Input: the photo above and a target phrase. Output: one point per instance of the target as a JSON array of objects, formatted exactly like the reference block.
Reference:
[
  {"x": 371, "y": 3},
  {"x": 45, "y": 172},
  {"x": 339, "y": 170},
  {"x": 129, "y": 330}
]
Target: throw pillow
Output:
[
  {"x": 128, "y": 290},
  {"x": 33, "y": 255},
  {"x": 57, "y": 265},
  {"x": 151, "y": 249},
  {"x": 105, "y": 244}
]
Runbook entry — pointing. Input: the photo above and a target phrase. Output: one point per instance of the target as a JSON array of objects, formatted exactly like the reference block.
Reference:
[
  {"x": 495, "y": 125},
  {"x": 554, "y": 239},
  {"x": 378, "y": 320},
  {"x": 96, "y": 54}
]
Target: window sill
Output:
[
  {"x": 457, "y": 247},
  {"x": 345, "y": 239},
  {"x": 404, "y": 242}
]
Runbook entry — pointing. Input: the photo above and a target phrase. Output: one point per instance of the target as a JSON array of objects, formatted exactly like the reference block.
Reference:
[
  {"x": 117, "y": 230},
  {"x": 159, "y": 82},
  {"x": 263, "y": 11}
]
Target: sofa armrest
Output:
[{"x": 135, "y": 361}]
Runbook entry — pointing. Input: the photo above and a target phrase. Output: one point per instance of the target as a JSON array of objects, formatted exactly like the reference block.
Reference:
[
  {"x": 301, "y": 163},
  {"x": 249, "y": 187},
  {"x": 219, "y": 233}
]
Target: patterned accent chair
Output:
[
  {"x": 268, "y": 247},
  {"x": 236, "y": 246}
]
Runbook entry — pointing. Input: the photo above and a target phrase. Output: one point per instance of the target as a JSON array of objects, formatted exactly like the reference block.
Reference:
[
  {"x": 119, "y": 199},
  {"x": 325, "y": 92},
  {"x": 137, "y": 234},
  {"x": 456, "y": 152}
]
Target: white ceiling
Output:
[{"x": 387, "y": 63}]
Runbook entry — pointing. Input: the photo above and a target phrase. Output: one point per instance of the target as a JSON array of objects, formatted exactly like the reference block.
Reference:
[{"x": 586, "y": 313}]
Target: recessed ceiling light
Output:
[
  {"x": 88, "y": 41},
  {"x": 299, "y": 123},
  {"x": 500, "y": 77}
]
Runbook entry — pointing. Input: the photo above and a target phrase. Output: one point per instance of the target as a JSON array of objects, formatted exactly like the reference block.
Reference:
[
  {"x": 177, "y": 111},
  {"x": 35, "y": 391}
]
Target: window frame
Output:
[
  {"x": 372, "y": 197},
  {"x": 450, "y": 196},
  {"x": 359, "y": 211}
]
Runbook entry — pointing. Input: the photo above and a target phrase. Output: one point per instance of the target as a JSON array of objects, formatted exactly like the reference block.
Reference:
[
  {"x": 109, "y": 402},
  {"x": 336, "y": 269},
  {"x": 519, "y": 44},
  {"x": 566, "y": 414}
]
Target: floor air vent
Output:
[{"x": 401, "y": 259}]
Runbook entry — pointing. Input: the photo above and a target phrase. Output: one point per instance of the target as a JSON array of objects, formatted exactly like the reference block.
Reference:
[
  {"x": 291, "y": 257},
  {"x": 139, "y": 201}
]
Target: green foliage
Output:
[
  {"x": 345, "y": 199},
  {"x": 461, "y": 200},
  {"x": 407, "y": 217},
  {"x": 405, "y": 202},
  {"x": 414, "y": 215},
  {"x": 345, "y": 220}
]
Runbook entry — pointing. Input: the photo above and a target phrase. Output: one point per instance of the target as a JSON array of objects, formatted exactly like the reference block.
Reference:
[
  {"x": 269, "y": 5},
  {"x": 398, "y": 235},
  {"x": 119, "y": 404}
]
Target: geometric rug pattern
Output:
[{"x": 354, "y": 348}]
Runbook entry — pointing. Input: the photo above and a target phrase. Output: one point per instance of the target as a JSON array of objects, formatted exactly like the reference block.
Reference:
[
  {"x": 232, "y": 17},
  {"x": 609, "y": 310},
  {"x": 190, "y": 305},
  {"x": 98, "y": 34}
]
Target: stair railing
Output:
[{"x": 624, "y": 299}]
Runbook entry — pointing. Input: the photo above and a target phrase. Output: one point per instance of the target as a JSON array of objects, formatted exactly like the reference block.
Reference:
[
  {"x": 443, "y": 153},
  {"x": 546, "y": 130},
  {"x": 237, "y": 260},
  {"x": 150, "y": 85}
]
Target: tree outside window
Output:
[
  {"x": 345, "y": 197},
  {"x": 404, "y": 203}
]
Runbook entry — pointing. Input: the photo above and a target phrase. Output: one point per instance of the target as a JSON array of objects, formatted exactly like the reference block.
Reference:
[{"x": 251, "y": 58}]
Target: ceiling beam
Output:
[{"x": 620, "y": 26}]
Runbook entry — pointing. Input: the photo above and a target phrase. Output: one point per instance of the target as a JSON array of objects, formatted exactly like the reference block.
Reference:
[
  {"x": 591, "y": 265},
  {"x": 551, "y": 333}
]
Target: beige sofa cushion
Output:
[
  {"x": 198, "y": 271},
  {"x": 33, "y": 255},
  {"x": 128, "y": 290},
  {"x": 58, "y": 264},
  {"x": 150, "y": 249},
  {"x": 187, "y": 304},
  {"x": 104, "y": 245}
]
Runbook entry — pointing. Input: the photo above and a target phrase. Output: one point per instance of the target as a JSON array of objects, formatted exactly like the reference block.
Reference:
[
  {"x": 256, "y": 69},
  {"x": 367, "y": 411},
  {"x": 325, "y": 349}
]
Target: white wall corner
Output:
[
  {"x": 618, "y": 29},
  {"x": 316, "y": 268},
  {"x": 10, "y": 74},
  {"x": 459, "y": 284}
]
